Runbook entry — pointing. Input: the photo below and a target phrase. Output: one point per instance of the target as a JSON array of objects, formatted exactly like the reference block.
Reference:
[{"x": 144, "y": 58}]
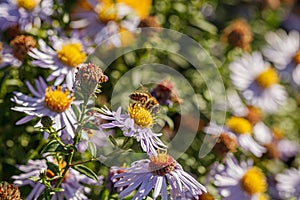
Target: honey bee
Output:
[{"x": 145, "y": 100}]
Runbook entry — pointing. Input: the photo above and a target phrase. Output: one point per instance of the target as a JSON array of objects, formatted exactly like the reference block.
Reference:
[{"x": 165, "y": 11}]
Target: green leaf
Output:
[
  {"x": 113, "y": 141},
  {"x": 90, "y": 125},
  {"x": 86, "y": 171},
  {"x": 127, "y": 143},
  {"x": 51, "y": 146},
  {"x": 76, "y": 110},
  {"x": 92, "y": 149},
  {"x": 58, "y": 190}
]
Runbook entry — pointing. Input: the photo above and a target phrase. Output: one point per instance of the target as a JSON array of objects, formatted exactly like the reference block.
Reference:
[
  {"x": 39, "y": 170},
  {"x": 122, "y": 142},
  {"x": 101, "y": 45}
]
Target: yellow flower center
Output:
[
  {"x": 263, "y": 197},
  {"x": 141, "y": 116},
  {"x": 296, "y": 57},
  {"x": 267, "y": 78},
  {"x": 239, "y": 125},
  {"x": 126, "y": 37},
  {"x": 71, "y": 54},
  {"x": 107, "y": 12},
  {"x": 141, "y": 8},
  {"x": 57, "y": 100},
  {"x": 161, "y": 164},
  {"x": 254, "y": 181},
  {"x": 27, "y": 4}
]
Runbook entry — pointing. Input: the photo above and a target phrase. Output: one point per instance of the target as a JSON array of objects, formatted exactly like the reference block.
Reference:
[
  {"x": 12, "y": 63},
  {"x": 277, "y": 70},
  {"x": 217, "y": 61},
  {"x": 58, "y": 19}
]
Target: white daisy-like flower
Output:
[
  {"x": 283, "y": 50},
  {"x": 288, "y": 183},
  {"x": 237, "y": 129},
  {"x": 25, "y": 13},
  {"x": 105, "y": 19},
  {"x": 137, "y": 123},
  {"x": 62, "y": 57},
  {"x": 236, "y": 181},
  {"x": 48, "y": 101},
  {"x": 275, "y": 143},
  {"x": 72, "y": 183},
  {"x": 258, "y": 82},
  {"x": 157, "y": 173}
]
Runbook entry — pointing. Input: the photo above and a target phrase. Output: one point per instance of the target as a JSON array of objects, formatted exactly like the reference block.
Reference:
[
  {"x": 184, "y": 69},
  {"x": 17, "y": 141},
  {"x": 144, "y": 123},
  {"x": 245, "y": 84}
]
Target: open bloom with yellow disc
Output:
[
  {"x": 72, "y": 184},
  {"x": 136, "y": 123},
  {"x": 258, "y": 82},
  {"x": 25, "y": 13},
  {"x": 102, "y": 19},
  {"x": 54, "y": 102},
  {"x": 160, "y": 172},
  {"x": 236, "y": 181},
  {"x": 283, "y": 50},
  {"x": 237, "y": 129},
  {"x": 63, "y": 58}
]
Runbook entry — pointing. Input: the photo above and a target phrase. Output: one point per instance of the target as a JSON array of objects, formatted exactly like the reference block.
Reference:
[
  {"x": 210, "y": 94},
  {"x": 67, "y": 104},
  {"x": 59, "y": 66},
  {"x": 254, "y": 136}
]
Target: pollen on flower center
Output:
[
  {"x": 71, "y": 54},
  {"x": 254, "y": 181},
  {"x": 107, "y": 12},
  {"x": 161, "y": 164},
  {"x": 267, "y": 78},
  {"x": 296, "y": 57},
  {"x": 57, "y": 100},
  {"x": 141, "y": 116},
  {"x": 27, "y": 4},
  {"x": 239, "y": 125}
]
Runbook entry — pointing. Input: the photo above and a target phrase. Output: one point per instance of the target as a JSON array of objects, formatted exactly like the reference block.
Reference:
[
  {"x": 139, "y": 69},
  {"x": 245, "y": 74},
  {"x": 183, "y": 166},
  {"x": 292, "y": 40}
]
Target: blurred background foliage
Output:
[{"x": 202, "y": 20}]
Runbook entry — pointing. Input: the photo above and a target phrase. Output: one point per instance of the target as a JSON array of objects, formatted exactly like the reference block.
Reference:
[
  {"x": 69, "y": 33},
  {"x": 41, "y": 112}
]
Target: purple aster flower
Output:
[
  {"x": 48, "y": 101},
  {"x": 157, "y": 173},
  {"x": 62, "y": 57},
  {"x": 7, "y": 58},
  {"x": 72, "y": 182},
  {"x": 236, "y": 181},
  {"x": 137, "y": 123},
  {"x": 104, "y": 19},
  {"x": 25, "y": 13},
  {"x": 288, "y": 183},
  {"x": 98, "y": 137}
]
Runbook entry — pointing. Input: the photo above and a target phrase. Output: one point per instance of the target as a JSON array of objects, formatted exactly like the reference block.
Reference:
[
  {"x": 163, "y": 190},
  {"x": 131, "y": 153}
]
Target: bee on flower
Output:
[
  {"x": 137, "y": 123},
  {"x": 158, "y": 173},
  {"x": 54, "y": 102}
]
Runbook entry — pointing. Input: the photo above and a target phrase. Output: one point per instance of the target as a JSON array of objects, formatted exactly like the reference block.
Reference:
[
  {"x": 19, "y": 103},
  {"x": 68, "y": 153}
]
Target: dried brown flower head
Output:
[{"x": 21, "y": 45}]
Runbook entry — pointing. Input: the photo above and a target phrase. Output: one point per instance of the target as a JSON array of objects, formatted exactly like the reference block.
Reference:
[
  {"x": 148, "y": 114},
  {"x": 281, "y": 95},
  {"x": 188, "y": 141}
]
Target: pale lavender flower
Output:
[
  {"x": 48, "y": 101},
  {"x": 105, "y": 20},
  {"x": 158, "y": 174},
  {"x": 236, "y": 181},
  {"x": 7, "y": 58},
  {"x": 245, "y": 140},
  {"x": 130, "y": 127},
  {"x": 288, "y": 183},
  {"x": 72, "y": 183},
  {"x": 258, "y": 82},
  {"x": 63, "y": 57},
  {"x": 283, "y": 50},
  {"x": 25, "y": 13}
]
